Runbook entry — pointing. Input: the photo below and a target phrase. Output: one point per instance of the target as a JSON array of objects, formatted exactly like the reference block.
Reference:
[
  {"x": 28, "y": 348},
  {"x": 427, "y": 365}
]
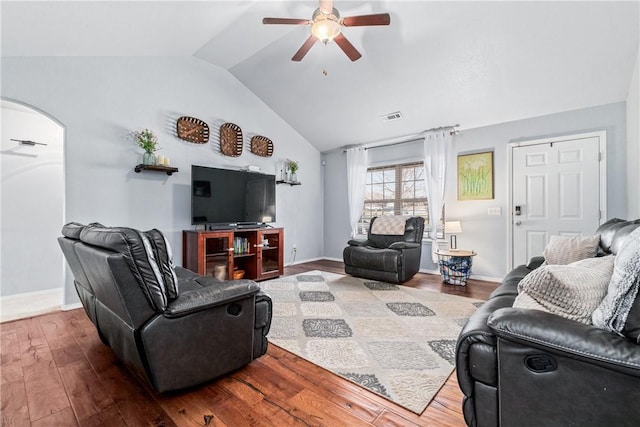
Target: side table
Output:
[{"x": 455, "y": 265}]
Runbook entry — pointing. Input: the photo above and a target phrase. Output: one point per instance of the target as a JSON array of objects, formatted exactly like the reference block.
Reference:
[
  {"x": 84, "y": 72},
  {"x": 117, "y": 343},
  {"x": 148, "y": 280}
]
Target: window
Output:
[{"x": 396, "y": 190}]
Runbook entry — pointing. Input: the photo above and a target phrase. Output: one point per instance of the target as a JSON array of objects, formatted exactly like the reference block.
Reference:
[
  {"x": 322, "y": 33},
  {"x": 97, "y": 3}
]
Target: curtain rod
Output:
[{"x": 408, "y": 138}]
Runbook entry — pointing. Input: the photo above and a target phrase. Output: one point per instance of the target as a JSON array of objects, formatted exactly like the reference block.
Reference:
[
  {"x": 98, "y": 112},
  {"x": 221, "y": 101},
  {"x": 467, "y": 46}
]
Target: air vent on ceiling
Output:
[{"x": 396, "y": 115}]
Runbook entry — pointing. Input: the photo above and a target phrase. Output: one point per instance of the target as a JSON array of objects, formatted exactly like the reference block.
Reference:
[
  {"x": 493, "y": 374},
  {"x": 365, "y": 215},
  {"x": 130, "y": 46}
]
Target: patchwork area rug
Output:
[{"x": 396, "y": 341}]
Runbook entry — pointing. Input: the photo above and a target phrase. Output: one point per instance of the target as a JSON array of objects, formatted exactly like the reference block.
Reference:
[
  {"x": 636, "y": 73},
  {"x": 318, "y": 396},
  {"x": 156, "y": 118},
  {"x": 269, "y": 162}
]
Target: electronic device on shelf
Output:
[{"x": 225, "y": 198}]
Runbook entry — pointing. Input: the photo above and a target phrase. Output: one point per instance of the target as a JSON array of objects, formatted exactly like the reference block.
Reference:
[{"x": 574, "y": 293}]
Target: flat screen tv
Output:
[{"x": 224, "y": 197}]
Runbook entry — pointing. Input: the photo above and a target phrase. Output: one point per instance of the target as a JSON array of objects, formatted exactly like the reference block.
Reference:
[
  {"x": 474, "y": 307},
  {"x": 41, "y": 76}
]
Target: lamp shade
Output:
[{"x": 452, "y": 227}]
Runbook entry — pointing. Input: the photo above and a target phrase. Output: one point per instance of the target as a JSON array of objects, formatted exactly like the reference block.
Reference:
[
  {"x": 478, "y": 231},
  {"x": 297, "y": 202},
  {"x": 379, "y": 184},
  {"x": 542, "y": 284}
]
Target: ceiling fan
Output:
[{"x": 326, "y": 26}]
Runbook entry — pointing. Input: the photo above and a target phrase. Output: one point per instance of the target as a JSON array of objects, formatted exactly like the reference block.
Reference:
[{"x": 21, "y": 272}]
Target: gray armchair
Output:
[
  {"x": 171, "y": 326},
  {"x": 387, "y": 257}
]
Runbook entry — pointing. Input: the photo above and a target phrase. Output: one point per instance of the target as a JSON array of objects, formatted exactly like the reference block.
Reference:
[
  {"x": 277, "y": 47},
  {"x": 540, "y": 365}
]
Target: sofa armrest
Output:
[
  {"x": 357, "y": 242},
  {"x": 185, "y": 274},
  {"x": 264, "y": 313},
  {"x": 555, "y": 334},
  {"x": 400, "y": 246},
  {"x": 213, "y": 293},
  {"x": 476, "y": 348}
]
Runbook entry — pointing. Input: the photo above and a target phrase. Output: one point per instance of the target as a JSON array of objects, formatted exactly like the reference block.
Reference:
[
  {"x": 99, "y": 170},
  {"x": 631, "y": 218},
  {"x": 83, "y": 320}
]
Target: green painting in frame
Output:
[{"x": 475, "y": 176}]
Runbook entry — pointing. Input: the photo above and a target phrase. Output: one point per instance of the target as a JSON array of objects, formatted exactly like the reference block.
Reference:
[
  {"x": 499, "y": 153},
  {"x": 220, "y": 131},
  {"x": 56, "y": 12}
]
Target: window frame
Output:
[{"x": 398, "y": 201}]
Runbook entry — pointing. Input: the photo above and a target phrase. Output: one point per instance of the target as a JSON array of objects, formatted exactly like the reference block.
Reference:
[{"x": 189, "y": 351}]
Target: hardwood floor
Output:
[{"x": 56, "y": 372}]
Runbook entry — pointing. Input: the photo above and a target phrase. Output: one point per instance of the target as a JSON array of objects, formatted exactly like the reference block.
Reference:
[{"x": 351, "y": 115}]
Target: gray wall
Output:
[
  {"x": 100, "y": 100},
  {"x": 32, "y": 202},
  {"x": 633, "y": 143},
  {"x": 485, "y": 234}
]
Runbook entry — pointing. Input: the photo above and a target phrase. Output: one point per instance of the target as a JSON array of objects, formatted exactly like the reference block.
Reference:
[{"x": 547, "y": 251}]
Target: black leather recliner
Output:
[
  {"x": 385, "y": 257},
  {"x": 522, "y": 367},
  {"x": 173, "y": 327}
]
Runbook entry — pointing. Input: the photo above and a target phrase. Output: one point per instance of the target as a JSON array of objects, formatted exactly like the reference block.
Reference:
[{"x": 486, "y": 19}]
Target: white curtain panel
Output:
[
  {"x": 437, "y": 146},
  {"x": 356, "y": 182}
]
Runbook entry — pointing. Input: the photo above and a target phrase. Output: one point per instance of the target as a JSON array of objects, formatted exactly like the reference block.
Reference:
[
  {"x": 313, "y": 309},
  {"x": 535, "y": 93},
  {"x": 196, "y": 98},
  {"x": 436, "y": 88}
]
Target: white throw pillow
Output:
[
  {"x": 565, "y": 250},
  {"x": 573, "y": 291}
]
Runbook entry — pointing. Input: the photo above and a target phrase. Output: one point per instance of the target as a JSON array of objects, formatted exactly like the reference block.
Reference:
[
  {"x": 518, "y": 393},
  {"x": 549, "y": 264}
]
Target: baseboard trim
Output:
[
  {"x": 73, "y": 306},
  {"x": 422, "y": 270},
  {"x": 302, "y": 261},
  {"x": 486, "y": 278},
  {"x": 425, "y": 271},
  {"x": 473, "y": 276},
  {"x": 29, "y": 304}
]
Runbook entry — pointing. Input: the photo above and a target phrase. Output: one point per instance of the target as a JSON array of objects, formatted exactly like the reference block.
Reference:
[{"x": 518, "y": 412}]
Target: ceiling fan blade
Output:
[
  {"x": 362, "y": 20},
  {"x": 304, "y": 48},
  {"x": 326, "y": 6},
  {"x": 347, "y": 47},
  {"x": 286, "y": 21}
]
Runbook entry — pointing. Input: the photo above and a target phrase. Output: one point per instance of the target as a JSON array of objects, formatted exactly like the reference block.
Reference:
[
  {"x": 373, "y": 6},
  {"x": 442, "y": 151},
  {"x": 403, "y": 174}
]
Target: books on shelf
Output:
[{"x": 241, "y": 245}]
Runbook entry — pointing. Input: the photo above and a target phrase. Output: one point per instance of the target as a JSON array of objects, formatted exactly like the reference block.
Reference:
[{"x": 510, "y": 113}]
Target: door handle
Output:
[{"x": 518, "y": 222}]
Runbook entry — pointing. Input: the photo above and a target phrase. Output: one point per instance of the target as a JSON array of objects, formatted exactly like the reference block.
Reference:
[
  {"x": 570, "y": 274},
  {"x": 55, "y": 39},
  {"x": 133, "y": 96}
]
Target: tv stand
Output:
[{"x": 256, "y": 252}]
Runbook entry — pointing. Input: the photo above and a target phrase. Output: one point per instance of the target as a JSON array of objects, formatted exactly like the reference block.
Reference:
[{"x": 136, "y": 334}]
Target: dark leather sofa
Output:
[
  {"x": 388, "y": 258},
  {"x": 171, "y": 326},
  {"x": 521, "y": 367}
]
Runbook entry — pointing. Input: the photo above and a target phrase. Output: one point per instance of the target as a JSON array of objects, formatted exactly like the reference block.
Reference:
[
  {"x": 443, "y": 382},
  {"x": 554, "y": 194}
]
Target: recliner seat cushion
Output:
[
  {"x": 139, "y": 255},
  {"x": 372, "y": 258}
]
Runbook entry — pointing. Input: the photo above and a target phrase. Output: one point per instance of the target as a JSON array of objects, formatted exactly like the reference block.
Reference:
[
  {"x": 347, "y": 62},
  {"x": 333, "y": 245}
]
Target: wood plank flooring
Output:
[{"x": 56, "y": 372}]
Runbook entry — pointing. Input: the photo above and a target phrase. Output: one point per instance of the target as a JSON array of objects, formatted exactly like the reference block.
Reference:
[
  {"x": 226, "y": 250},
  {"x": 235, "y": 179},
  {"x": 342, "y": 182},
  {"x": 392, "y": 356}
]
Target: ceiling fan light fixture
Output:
[{"x": 326, "y": 26}]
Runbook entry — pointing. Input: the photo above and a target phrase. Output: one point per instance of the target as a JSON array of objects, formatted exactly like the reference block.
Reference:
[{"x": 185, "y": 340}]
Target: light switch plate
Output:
[{"x": 497, "y": 210}]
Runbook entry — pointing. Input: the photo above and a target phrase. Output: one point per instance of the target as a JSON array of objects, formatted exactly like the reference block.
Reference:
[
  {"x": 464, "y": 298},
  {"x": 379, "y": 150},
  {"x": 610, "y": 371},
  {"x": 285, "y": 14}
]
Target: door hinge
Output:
[{"x": 600, "y": 156}]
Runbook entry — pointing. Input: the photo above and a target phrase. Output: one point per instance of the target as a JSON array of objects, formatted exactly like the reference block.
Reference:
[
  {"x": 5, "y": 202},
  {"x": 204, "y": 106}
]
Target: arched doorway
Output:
[{"x": 32, "y": 212}]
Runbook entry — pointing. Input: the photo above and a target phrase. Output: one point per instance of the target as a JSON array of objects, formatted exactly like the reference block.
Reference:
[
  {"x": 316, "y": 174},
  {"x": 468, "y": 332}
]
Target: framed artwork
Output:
[{"x": 475, "y": 176}]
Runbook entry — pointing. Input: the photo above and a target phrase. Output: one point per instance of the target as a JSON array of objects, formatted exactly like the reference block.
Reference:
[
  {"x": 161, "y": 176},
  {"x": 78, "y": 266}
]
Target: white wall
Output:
[
  {"x": 32, "y": 202},
  {"x": 633, "y": 143},
  {"x": 100, "y": 100},
  {"x": 485, "y": 234}
]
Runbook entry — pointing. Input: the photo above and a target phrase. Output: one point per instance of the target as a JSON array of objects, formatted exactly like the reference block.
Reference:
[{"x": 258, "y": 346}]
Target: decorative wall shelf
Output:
[
  {"x": 289, "y": 182},
  {"x": 168, "y": 169}
]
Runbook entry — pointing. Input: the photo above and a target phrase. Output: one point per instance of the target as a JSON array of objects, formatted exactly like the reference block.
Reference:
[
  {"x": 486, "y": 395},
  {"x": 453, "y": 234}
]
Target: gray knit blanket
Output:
[{"x": 612, "y": 312}]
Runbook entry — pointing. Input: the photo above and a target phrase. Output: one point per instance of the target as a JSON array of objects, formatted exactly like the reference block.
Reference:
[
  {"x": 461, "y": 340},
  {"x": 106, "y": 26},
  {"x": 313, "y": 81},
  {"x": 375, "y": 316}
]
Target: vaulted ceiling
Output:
[{"x": 438, "y": 63}]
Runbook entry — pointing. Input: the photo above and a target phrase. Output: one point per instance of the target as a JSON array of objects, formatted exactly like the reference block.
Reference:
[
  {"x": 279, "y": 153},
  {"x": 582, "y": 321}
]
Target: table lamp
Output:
[{"x": 452, "y": 228}]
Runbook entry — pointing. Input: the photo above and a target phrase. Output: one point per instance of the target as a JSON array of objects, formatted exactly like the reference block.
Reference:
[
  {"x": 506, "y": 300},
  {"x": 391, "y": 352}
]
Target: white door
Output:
[{"x": 557, "y": 188}]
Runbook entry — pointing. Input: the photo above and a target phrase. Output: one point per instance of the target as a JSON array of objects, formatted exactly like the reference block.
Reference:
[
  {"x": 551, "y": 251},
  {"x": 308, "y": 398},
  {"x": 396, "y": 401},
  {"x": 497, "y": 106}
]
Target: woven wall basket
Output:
[
  {"x": 231, "y": 140},
  {"x": 261, "y": 146},
  {"x": 192, "y": 130}
]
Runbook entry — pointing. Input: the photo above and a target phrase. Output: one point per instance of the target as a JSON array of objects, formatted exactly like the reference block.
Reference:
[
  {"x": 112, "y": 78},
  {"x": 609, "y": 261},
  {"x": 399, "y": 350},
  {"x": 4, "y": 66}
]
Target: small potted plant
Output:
[
  {"x": 293, "y": 169},
  {"x": 149, "y": 143}
]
